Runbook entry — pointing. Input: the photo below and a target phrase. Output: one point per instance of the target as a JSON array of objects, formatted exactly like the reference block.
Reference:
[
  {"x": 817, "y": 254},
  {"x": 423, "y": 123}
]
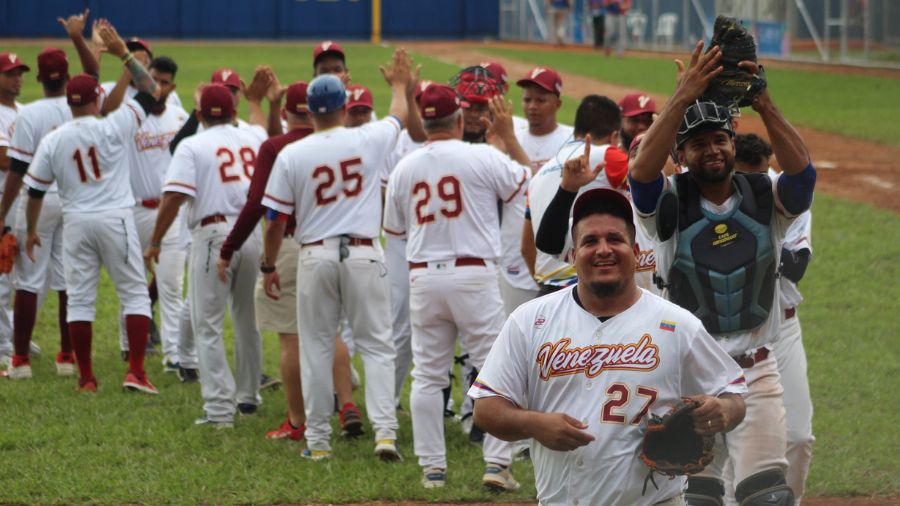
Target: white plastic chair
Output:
[
  {"x": 665, "y": 28},
  {"x": 637, "y": 24}
]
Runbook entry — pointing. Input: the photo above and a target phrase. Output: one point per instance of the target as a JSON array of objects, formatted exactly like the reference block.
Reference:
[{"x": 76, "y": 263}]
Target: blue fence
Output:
[{"x": 261, "y": 19}]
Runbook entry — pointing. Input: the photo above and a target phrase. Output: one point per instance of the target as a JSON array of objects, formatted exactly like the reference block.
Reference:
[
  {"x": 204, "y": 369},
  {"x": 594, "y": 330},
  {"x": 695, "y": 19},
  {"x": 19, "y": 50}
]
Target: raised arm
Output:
[
  {"x": 255, "y": 94},
  {"x": 414, "y": 125},
  {"x": 274, "y": 94},
  {"x": 398, "y": 74},
  {"x": 116, "y": 47},
  {"x": 74, "y": 26},
  {"x": 117, "y": 95},
  {"x": 501, "y": 126}
]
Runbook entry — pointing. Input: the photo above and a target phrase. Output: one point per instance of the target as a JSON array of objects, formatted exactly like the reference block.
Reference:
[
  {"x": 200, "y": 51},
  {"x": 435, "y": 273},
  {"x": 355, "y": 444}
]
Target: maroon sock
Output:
[
  {"x": 65, "y": 342},
  {"x": 24, "y": 312},
  {"x": 138, "y": 329},
  {"x": 82, "y": 334},
  {"x": 154, "y": 293}
]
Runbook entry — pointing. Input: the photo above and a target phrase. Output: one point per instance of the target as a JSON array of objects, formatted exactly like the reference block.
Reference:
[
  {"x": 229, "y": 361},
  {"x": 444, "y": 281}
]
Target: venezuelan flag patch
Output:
[{"x": 667, "y": 325}]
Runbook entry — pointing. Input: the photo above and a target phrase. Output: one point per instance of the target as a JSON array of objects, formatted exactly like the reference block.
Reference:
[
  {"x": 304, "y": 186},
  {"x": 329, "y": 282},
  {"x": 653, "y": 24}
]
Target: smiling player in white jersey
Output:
[
  {"x": 580, "y": 370},
  {"x": 213, "y": 169},
  {"x": 450, "y": 218},
  {"x": 330, "y": 180}
]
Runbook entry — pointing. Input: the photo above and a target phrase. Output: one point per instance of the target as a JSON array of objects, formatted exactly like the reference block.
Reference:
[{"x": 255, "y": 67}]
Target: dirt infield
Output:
[{"x": 850, "y": 168}]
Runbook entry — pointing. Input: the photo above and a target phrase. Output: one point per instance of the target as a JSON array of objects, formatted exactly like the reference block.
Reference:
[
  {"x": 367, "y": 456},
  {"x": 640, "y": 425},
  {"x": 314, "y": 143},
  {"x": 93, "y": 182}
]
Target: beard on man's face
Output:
[{"x": 606, "y": 289}]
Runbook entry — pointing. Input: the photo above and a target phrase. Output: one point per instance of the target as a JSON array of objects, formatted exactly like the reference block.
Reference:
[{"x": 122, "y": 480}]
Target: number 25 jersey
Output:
[{"x": 444, "y": 198}]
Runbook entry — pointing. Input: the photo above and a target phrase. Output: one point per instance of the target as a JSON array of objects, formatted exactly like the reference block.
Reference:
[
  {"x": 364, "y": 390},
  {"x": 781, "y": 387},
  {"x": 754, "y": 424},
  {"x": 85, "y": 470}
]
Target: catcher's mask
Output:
[
  {"x": 703, "y": 116},
  {"x": 474, "y": 84}
]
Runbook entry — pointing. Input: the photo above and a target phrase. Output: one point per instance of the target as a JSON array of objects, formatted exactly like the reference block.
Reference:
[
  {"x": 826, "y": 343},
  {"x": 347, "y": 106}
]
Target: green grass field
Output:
[{"x": 60, "y": 447}]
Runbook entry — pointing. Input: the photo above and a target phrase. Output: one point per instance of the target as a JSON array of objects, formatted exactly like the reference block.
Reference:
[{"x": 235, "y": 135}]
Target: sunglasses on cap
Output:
[{"x": 703, "y": 112}]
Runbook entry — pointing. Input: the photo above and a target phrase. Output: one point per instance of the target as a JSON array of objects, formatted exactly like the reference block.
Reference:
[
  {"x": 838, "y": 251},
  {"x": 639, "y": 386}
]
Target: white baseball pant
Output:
[
  {"x": 6, "y": 291},
  {"x": 398, "y": 275},
  {"x": 108, "y": 239},
  {"x": 447, "y": 301},
  {"x": 208, "y": 297},
  {"x": 169, "y": 279},
  {"x": 358, "y": 285},
  {"x": 759, "y": 442},
  {"x": 47, "y": 268}
]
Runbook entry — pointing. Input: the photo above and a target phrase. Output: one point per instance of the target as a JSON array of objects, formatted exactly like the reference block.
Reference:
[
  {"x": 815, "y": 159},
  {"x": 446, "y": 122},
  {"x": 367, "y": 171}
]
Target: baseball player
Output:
[
  {"x": 450, "y": 218},
  {"x": 86, "y": 157},
  {"x": 148, "y": 159},
  {"x": 752, "y": 155},
  {"x": 213, "y": 169},
  {"x": 497, "y": 71},
  {"x": 115, "y": 91},
  {"x": 12, "y": 70},
  {"x": 638, "y": 110},
  {"x": 30, "y": 278},
  {"x": 729, "y": 229},
  {"x": 330, "y": 180},
  {"x": 277, "y": 315},
  {"x": 580, "y": 369},
  {"x": 359, "y": 105}
]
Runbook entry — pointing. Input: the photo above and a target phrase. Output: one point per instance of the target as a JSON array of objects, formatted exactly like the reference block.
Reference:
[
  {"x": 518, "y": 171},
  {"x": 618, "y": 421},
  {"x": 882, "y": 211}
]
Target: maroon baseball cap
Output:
[
  {"x": 422, "y": 86},
  {"x": 497, "y": 72},
  {"x": 11, "y": 61},
  {"x": 295, "y": 98},
  {"x": 82, "y": 89},
  {"x": 216, "y": 101},
  {"x": 359, "y": 96},
  {"x": 438, "y": 101},
  {"x": 136, "y": 44},
  {"x": 637, "y": 103},
  {"x": 53, "y": 64},
  {"x": 602, "y": 201},
  {"x": 226, "y": 77},
  {"x": 327, "y": 47},
  {"x": 543, "y": 77}
]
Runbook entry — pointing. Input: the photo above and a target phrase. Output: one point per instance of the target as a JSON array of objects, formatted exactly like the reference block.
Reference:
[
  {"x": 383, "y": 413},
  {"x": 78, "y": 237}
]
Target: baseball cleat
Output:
[
  {"x": 247, "y": 409},
  {"x": 434, "y": 477},
  {"x": 65, "y": 364},
  {"x": 386, "y": 450},
  {"x": 88, "y": 386},
  {"x": 351, "y": 420},
  {"x": 498, "y": 479},
  {"x": 212, "y": 423},
  {"x": 19, "y": 367},
  {"x": 315, "y": 455},
  {"x": 136, "y": 383},
  {"x": 188, "y": 375},
  {"x": 170, "y": 366},
  {"x": 287, "y": 431}
]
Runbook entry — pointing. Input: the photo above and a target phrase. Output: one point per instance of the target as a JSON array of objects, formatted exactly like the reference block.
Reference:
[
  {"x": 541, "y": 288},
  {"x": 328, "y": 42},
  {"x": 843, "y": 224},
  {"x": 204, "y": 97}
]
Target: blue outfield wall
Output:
[{"x": 260, "y": 19}]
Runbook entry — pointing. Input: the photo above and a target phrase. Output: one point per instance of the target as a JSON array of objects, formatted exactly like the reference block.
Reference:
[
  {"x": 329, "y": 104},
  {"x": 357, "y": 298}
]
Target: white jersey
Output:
[
  {"x": 150, "y": 157},
  {"x": 7, "y": 125},
  {"x": 444, "y": 196},
  {"x": 256, "y": 130},
  {"x": 553, "y": 356},
  {"x": 214, "y": 168},
  {"x": 554, "y": 270},
  {"x": 88, "y": 158},
  {"x": 35, "y": 120},
  {"x": 798, "y": 237},
  {"x": 171, "y": 101},
  {"x": 541, "y": 148},
  {"x": 405, "y": 145},
  {"x": 735, "y": 343},
  {"x": 331, "y": 180}
]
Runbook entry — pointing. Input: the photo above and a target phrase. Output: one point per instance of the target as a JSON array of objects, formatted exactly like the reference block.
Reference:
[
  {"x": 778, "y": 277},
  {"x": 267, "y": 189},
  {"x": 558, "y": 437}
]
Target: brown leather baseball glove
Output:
[
  {"x": 671, "y": 447},
  {"x": 9, "y": 250}
]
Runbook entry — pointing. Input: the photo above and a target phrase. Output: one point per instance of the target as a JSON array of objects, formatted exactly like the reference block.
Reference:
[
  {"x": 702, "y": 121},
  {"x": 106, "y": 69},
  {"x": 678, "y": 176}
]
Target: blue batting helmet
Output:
[{"x": 325, "y": 94}]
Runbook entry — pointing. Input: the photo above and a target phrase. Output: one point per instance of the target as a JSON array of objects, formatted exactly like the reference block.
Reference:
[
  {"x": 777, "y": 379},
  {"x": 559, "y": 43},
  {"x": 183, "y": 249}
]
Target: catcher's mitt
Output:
[
  {"x": 734, "y": 86},
  {"x": 671, "y": 447},
  {"x": 9, "y": 249}
]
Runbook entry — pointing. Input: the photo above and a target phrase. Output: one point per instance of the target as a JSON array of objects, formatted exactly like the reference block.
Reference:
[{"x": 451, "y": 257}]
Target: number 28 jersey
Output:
[
  {"x": 444, "y": 197},
  {"x": 330, "y": 179},
  {"x": 87, "y": 157},
  {"x": 214, "y": 167}
]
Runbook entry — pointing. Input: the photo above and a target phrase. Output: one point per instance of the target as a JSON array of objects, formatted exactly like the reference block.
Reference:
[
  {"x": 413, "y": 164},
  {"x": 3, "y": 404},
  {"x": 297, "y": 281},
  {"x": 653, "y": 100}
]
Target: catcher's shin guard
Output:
[
  {"x": 704, "y": 492},
  {"x": 765, "y": 488}
]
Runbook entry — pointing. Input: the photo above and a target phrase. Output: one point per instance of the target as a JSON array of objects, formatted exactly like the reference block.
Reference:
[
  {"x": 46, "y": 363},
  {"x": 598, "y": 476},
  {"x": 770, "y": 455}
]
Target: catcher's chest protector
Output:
[{"x": 724, "y": 265}]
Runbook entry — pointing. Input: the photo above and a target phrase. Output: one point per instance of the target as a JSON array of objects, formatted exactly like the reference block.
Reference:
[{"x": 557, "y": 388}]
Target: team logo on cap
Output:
[
  {"x": 358, "y": 93},
  {"x": 226, "y": 74},
  {"x": 327, "y": 45},
  {"x": 215, "y": 111},
  {"x": 13, "y": 57},
  {"x": 424, "y": 85},
  {"x": 536, "y": 72},
  {"x": 76, "y": 97},
  {"x": 642, "y": 101}
]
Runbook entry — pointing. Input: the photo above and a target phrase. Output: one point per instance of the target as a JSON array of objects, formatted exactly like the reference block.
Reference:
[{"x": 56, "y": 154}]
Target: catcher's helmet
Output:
[
  {"x": 475, "y": 84},
  {"x": 701, "y": 117},
  {"x": 325, "y": 94}
]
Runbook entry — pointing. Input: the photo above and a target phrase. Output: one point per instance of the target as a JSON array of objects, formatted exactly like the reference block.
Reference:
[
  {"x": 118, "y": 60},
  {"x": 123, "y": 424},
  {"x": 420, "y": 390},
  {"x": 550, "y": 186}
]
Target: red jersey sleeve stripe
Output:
[
  {"x": 393, "y": 232},
  {"x": 184, "y": 185},
  {"x": 39, "y": 180},
  {"x": 518, "y": 188},
  {"x": 17, "y": 150},
  {"x": 137, "y": 116},
  {"x": 282, "y": 202}
]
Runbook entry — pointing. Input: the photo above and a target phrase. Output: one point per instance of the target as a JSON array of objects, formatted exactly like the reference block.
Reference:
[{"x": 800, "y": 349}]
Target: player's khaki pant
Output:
[
  {"x": 446, "y": 301},
  {"x": 758, "y": 443},
  {"x": 108, "y": 239},
  {"x": 209, "y": 296},
  {"x": 280, "y": 315},
  {"x": 358, "y": 285}
]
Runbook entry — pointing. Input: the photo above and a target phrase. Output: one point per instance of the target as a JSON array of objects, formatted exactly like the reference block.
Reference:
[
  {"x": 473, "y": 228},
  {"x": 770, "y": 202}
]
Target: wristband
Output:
[
  {"x": 266, "y": 269},
  {"x": 127, "y": 57}
]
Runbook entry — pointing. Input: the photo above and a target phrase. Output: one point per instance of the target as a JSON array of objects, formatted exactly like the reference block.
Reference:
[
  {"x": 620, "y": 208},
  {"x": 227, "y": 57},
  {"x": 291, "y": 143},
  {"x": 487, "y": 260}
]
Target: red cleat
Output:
[
  {"x": 136, "y": 383},
  {"x": 287, "y": 431}
]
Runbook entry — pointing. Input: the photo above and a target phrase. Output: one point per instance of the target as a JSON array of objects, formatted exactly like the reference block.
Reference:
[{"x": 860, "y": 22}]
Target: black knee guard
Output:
[
  {"x": 704, "y": 492},
  {"x": 767, "y": 488}
]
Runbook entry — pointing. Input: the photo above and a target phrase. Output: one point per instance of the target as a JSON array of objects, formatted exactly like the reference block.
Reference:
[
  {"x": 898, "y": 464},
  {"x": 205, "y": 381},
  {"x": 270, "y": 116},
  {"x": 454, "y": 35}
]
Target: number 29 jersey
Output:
[
  {"x": 331, "y": 180},
  {"x": 444, "y": 198},
  {"x": 87, "y": 157},
  {"x": 214, "y": 167}
]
